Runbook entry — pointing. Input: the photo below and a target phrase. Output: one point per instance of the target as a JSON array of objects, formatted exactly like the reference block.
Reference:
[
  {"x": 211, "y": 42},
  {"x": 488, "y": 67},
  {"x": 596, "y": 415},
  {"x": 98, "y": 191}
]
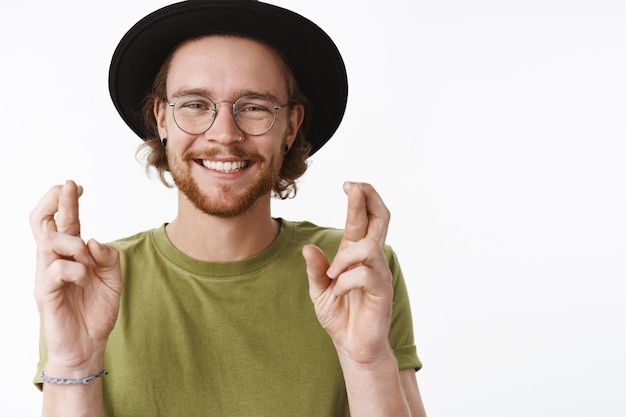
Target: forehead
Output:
[{"x": 226, "y": 65}]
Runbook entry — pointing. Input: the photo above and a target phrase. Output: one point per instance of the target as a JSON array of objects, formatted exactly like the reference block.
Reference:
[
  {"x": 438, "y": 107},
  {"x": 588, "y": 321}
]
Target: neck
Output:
[{"x": 216, "y": 239}]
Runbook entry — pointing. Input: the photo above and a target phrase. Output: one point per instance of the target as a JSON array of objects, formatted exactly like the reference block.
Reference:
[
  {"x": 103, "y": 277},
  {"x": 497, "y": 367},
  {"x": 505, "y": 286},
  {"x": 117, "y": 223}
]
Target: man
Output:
[{"x": 225, "y": 310}]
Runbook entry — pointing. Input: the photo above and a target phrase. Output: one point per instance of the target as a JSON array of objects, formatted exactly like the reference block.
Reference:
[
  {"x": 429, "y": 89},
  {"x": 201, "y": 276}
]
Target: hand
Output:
[
  {"x": 353, "y": 296},
  {"x": 77, "y": 285}
]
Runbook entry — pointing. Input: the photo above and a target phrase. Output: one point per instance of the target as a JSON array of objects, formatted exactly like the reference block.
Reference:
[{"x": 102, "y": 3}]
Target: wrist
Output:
[
  {"x": 71, "y": 381},
  {"x": 68, "y": 391},
  {"x": 374, "y": 388},
  {"x": 364, "y": 357},
  {"x": 59, "y": 368},
  {"x": 382, "y": 361}
]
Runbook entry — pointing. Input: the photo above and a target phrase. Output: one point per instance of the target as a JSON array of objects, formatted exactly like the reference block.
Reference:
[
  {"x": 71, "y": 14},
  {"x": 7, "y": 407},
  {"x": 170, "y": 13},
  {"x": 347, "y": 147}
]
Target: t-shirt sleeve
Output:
[
  {"x": 43, "y": 358},
  {"x": 401, "y": 337}
]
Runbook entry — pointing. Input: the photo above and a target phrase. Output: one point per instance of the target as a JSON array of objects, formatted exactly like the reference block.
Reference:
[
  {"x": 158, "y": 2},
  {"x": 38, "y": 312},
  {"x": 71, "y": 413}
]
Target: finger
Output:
[
  {"x": 53, "y": 246},
  {"x": 364, "y": 252},
  {"x": 42, "y": 216},
  {"x": 61, "y": 272},
  {"x": 316, "y": 266},
  {"x": 67, "y": 220},
  {"x": 356, "y": 219},
  {"x": 361, "y": 278},
  {"x": 378, "y": 215}
]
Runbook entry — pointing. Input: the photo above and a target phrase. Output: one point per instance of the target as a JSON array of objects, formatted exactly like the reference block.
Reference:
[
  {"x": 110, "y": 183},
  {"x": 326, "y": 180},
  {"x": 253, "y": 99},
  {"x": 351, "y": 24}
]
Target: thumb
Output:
[
  {"x": 316, "y": 267},
  {"x": 107, "y": 262}
]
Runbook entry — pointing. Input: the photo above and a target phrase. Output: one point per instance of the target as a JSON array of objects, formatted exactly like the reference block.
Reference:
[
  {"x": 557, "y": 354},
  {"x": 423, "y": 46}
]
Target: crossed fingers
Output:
[
  {"x": 364, "y": 234},
  {"x": 368, "y": 217},
  {"x": 56, "y": 227},
  {"x": 57, "y": 211}
]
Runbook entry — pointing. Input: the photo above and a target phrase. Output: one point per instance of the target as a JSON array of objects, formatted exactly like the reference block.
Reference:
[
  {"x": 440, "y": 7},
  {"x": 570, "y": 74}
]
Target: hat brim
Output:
[{"x": 308, "y": 50}]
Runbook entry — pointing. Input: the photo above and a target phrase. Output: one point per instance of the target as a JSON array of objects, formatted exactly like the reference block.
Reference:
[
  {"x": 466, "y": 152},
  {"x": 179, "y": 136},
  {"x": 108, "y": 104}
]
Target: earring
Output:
[
  {"x": 164, "y": 142},
  {"x": 240, "y": 138},
  {"x": 286, "y": 149}
]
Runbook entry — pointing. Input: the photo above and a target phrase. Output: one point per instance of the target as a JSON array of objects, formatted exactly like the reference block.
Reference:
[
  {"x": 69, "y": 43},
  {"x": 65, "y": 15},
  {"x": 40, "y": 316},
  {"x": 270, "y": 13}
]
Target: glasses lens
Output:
[
  {"x": 254, "y": 115},
  {"x": 194, "y": 114}
]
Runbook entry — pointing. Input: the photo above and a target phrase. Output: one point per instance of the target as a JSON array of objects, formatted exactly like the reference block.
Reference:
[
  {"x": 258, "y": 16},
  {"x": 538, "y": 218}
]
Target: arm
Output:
[
  {"x": 353, "y": 298},
  {"x": 77, "y": 290},
  {"x": 412, "y": 393}
]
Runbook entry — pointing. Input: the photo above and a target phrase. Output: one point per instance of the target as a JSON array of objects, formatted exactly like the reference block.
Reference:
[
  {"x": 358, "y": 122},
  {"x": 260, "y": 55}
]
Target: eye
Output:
[
  {"x": 254, "y": 105},
  {"x": 252, "y": 108},
  {"x": 194, "y": 104}
]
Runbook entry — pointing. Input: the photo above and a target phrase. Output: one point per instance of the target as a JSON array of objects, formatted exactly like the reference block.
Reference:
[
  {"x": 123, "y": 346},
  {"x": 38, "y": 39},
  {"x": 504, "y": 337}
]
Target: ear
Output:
[
  {"x": 296, "y": 116},
  {"x": 159, "y": 111}
]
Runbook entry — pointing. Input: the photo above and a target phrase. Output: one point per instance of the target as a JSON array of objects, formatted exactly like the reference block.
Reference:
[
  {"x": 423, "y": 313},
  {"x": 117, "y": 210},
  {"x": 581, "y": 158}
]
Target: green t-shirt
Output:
[{"x": 229, "y": 339}]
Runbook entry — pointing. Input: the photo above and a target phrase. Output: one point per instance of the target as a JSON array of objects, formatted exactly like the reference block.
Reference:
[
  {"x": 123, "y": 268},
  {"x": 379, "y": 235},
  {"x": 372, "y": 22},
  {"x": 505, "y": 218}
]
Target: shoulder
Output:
[
  {"x": 327, "y": 238},
  {"x": 137, "y": 241},
  {"x": 305, "y": 232}
]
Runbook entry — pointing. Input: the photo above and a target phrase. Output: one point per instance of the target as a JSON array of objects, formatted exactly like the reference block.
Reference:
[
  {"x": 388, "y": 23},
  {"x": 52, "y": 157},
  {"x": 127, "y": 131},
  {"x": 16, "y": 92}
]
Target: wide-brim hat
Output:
[{"x": 307, "y": 49}]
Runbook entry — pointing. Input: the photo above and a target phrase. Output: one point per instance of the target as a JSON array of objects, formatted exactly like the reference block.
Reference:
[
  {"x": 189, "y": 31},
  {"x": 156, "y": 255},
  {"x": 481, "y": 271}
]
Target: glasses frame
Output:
[{"x": 233, "y": 113}]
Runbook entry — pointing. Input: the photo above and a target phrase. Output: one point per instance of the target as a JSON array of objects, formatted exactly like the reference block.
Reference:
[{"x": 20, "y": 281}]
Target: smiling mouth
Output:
[{"x": 226, "y": 167}]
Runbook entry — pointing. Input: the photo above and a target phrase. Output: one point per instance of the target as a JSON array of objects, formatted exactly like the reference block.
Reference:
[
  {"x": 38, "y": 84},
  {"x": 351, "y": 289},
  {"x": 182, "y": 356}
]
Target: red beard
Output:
[{"x": 229, "y": 202}]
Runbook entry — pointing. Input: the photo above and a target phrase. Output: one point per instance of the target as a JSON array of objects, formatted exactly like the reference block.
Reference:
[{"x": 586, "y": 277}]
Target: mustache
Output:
[{"x": 237, "y": 153}]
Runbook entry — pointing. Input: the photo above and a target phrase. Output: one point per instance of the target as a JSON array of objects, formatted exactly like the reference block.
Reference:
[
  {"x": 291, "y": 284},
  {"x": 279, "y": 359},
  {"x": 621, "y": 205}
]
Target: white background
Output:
[{"x": 495, "y": 131}]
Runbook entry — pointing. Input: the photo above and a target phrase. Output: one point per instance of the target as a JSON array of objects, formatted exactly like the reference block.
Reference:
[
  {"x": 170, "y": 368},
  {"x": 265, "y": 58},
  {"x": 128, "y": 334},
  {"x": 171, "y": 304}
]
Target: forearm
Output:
[
  {"x": 375, "y": 390},
  {"x": 83, "y": 400},
  {"x": 73, "y": 400}
]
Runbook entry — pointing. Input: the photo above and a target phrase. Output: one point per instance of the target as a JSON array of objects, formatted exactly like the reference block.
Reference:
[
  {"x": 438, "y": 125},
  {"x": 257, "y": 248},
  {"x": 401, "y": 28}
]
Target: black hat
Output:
[{"x": 308, "y": 50}]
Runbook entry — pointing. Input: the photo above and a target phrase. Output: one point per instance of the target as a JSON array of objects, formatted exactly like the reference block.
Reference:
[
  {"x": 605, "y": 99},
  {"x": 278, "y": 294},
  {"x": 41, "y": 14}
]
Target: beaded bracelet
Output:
[{"x": 67, "y": 381}]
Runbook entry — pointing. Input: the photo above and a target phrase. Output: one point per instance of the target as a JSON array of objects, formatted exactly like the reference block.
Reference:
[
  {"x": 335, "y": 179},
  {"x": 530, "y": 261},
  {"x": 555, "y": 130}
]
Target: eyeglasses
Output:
[{"x": 254, "y": 115}]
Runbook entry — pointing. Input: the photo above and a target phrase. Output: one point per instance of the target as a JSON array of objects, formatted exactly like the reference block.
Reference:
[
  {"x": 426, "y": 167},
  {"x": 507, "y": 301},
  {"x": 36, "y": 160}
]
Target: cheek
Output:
[
  {"x": 277, "y": 147},
  {"x": 282, "y": 134}
]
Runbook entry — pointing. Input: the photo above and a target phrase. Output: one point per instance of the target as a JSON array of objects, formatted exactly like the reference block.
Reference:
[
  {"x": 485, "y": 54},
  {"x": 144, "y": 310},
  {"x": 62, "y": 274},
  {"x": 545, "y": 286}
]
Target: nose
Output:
[{"x": 224, "y": 129}]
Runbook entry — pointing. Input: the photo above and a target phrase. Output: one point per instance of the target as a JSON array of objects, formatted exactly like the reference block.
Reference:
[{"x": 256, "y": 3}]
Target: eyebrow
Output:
[{"x": 207, "y": 93}]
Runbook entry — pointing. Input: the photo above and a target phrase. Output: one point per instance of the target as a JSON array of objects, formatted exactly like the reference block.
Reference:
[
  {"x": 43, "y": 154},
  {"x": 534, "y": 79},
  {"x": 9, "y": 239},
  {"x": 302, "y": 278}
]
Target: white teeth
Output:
[{"x": 225, "y": 166}]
